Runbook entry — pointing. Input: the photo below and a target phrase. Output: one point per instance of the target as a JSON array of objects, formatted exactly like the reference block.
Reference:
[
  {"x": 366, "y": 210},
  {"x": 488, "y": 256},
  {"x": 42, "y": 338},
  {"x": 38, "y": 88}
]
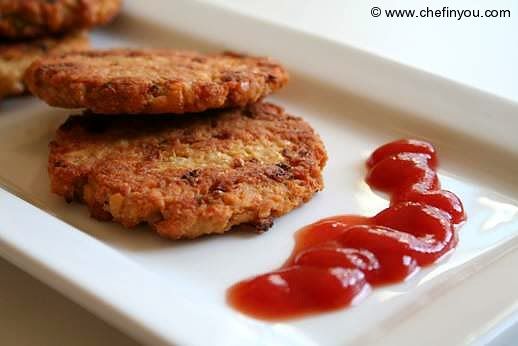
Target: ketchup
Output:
[{"x": 336, "y": 259}]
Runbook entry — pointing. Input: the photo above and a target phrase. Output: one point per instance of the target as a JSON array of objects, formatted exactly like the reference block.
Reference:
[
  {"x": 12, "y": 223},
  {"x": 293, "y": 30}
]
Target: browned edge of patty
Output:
[
  {"x": 36, "y": 18},
  {"x": 153, "y": 81},
  {"x": 187, "y": 177}
]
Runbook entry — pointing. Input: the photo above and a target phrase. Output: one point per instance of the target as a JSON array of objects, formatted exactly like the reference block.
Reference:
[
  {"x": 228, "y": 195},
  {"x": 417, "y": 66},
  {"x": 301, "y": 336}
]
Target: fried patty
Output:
[
  {"x": 36, "y": 18},
  {"x": 16, "y": 57},
  {"x": 153, "y": 81},
  {"x": 188, "y": 176}
]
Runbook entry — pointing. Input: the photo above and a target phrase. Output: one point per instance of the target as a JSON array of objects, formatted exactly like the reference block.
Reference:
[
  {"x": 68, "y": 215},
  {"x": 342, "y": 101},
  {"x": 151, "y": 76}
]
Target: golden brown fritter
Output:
[
  {"x": 188, "y": 176},
  {"x": 153, "y": 81},
  {"x": 36, "y": 18},
  {"x": 16, "y": 57}
]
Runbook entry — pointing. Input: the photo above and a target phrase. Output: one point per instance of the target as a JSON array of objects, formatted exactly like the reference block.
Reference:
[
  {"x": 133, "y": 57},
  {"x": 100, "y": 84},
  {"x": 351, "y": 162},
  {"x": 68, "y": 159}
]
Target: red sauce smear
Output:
[{"x": 337, "y": 258}]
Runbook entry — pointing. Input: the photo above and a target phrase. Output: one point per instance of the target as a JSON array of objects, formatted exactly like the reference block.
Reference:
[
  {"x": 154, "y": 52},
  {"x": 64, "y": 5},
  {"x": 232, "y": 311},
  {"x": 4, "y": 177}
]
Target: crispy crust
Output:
[
  {"x": 35, "y": 18},
  {"x": 16, "y": 57},
  {"x": 153, "y": 81},
  {"x": 190, "y": 176}
]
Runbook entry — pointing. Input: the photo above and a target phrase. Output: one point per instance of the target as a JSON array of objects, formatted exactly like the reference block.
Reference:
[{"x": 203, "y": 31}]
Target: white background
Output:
[{"x": 482, "y": 53}]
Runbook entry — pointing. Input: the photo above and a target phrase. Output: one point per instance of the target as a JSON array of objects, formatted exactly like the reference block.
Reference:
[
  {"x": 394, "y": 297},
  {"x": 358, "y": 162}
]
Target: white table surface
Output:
[{"x": 482, "y": 53}]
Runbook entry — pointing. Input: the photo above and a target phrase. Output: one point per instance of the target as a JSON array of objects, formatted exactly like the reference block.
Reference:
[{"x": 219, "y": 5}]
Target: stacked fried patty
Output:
[
  {"x": 22, "y": 19},
  {"x": 30, "y": 29},
  {"x": 16, "y": 57},
  {"x": 191, "y": 175},
  {"x": 149, "y": 81},
  {"x": 179, "y": 140}
]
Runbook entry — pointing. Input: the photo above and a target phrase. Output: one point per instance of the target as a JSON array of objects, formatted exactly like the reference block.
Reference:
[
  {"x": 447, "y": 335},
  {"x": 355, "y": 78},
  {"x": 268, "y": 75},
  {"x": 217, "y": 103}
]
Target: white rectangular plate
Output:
[{"x": 164, "y": 292}]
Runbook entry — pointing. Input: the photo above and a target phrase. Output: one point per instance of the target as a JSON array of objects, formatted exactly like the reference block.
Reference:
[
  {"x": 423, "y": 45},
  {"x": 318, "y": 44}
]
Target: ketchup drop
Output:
[{"x": 337, "y": 258}]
